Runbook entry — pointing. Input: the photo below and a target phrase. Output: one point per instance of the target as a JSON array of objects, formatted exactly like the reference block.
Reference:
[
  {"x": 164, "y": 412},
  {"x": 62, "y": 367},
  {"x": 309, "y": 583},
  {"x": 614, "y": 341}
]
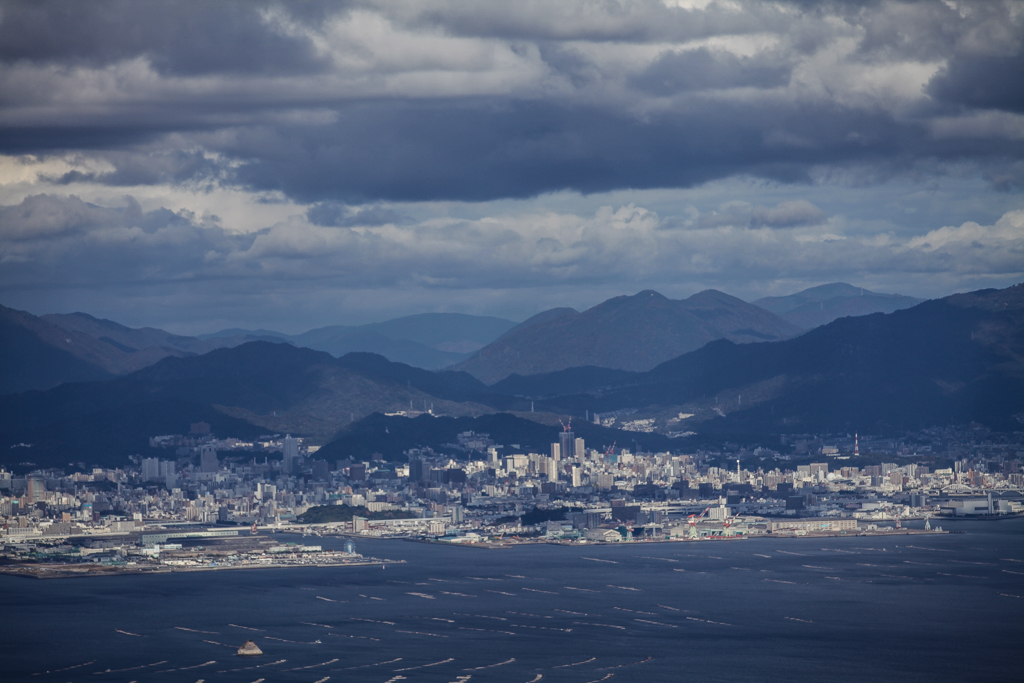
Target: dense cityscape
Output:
[{"x": 208, "y": 487}]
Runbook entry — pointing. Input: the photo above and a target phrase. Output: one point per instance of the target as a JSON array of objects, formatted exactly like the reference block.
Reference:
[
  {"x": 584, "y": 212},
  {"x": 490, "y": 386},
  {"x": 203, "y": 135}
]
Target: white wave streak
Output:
[
  {"x": 491, "y": 666},
  {"x": 345, "y": 635},
  {"x": 214, "y": 642},
  {"x": 367, "y": 666},
  {"x": 67, "y": 668},
  {"x": 131, "y": 668},
  {"x": 186, "y": 668},
  {"x": 311, "y": 666},
  {"x": 656, "y": 623},
  {"x": 250, "y": 668},
  {"x": 585, "y": 661},
  {"x": 424, "y": 666}
]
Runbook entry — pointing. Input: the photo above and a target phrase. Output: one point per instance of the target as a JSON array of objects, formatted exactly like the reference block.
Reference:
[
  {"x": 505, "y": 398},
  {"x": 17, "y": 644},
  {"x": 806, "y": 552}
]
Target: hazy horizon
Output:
[{"x": 198, "y": 328}]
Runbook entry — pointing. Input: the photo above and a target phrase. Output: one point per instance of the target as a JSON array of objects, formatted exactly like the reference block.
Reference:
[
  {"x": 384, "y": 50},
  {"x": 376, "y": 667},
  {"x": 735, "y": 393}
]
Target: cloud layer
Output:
[
  {"x": 366, "y": 101},
  {"x": 388, "y": 157},
  {"x": 53, "y": 244}
]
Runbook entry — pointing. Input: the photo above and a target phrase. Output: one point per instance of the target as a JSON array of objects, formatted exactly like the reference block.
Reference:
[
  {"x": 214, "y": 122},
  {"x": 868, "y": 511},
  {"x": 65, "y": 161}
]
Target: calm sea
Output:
[{"x": 905, "y": 608}]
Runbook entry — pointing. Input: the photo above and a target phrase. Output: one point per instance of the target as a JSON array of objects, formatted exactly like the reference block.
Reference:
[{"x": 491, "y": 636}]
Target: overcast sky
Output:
[{"x": 199, "y": 165}]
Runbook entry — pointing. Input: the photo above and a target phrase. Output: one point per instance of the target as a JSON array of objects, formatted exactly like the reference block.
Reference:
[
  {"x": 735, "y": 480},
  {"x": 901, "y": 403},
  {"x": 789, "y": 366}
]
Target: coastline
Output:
[{"x": 67, "y": 571}]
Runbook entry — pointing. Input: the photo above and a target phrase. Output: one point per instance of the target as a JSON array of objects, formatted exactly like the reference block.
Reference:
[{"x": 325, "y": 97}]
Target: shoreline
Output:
[
  {"x": 67, "y": 571},
  {"x": 70, "y": 571}
]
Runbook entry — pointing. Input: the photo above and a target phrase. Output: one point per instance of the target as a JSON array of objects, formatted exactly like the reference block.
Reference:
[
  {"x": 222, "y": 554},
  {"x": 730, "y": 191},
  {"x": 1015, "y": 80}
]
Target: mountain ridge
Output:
[
  {"x": 624, "y": 333},
  {"x": 821, "y": 305}
]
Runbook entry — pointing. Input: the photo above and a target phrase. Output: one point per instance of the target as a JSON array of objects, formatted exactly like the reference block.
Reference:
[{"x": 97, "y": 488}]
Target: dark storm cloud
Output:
[
  {"x": 479, "y": 151},
  {"x": 641, "y": 21},
  {"x": 180, "y": 38},
  {"x": 366, "y": 101},
  {"x": 705, "y": 69},
  {"x": 984, "y": 82},
  {"x": 352, "y": 149}
]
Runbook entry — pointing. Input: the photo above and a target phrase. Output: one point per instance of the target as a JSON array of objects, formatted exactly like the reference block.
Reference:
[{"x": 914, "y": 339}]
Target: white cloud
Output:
[{"x": 1006, "y": 233}]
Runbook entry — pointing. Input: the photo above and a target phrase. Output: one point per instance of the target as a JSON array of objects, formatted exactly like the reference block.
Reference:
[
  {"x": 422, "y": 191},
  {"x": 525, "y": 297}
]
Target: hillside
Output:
[
  {"x": 261, "y": 386},
  {"x": 626, "y": 333},
  {"x": 944, "y": 361},
  {"x": 821, "y": 305},
  {"x": 41, "y": 352},
  {"x": 30, "y": 357}
]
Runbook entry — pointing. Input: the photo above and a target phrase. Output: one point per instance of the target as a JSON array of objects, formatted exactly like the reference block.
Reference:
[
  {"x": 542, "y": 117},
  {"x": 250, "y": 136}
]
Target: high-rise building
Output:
[
  {"x": 580, "y": 450},
  {"x": 418, "y": 471},
  {"x": 266, "y": 492},
  {"x": 290, "y": 447},
  {"x": 551, "y": 467},
  {"x": 150, "y": 469},
  {"x": 556, "y": 452},
  {"x": 36, "y": 492},
  {"x": 321, "y": 470},
  {"x": 567, "y": 444},
  {"x": 208, "y": 458}
]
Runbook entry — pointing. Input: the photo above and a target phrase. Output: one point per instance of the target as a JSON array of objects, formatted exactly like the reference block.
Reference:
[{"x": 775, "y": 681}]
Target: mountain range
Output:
[
  {"x": 950, "y": 360},
  {"x": 956, "y": 359},
  {"x": 428, "y": 340},
  {"x": 626, "y": 333},
  {"x": 629, "y": 332},
  {"x": 821, "y": 305},
  {"x": 41, "y": 352}
]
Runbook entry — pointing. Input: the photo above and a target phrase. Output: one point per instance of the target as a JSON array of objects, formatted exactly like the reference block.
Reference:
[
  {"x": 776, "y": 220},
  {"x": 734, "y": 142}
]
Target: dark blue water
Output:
[{"x": 906, "y": 608}]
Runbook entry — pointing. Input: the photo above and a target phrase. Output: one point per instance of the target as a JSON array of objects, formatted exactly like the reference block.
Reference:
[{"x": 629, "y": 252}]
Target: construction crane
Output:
[
  {"x": 608, "y": 453},
  {"x": 566, "y": 427},
  {"x": 692, "y": 521},
  {"x": 728, "y": 522}
]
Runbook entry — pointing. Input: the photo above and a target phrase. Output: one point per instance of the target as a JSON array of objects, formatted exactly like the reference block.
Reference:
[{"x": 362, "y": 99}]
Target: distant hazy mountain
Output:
[
  {"x": 427, "y": 340},
  {"x": 950, "y": 360},
  {"x": 626, "y": 332},
  {"x": 825, "y": 303},
  {"x": 38, "y": 349},
  {"x": 43, "y": 351},
  {"x": 40, "y": 352},
  {"x": 37, "y": 355}
]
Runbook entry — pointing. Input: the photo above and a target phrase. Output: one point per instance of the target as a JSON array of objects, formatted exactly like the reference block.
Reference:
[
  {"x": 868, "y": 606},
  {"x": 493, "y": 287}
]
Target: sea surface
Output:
[{"x": 903, "y": 608}]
